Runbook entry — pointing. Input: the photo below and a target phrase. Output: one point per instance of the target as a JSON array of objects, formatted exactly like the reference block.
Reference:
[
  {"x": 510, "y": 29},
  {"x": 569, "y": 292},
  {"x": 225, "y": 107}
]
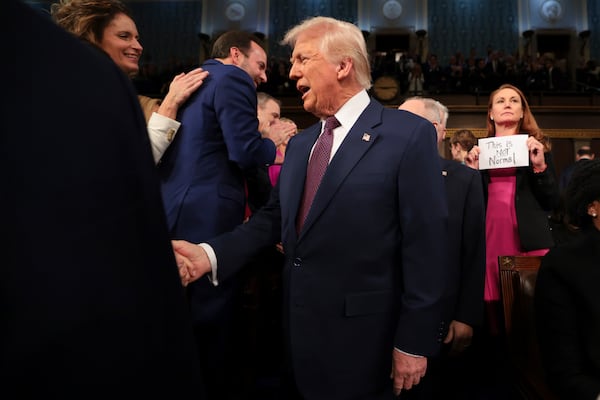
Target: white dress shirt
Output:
[{"x": 161, "y": 131}]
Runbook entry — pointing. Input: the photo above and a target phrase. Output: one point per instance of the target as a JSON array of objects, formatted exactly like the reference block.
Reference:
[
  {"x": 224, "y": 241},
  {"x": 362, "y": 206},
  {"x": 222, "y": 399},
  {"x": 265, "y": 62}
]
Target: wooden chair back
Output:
[{"x": 517, "y": 280}]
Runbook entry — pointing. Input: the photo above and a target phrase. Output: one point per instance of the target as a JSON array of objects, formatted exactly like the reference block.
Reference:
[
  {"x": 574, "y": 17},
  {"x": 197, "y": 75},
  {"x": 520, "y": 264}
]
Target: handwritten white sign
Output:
[{"x": 503, "y": 152}]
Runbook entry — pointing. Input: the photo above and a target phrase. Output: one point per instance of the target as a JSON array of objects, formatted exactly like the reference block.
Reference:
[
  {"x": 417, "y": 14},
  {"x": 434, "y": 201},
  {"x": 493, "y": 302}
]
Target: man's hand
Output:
[
  {"x": 279, "y": 131},
  {"x": 407, "y": 370},
  {"x": 460, "y": 335},
  {"x": 192, "y": 261}
]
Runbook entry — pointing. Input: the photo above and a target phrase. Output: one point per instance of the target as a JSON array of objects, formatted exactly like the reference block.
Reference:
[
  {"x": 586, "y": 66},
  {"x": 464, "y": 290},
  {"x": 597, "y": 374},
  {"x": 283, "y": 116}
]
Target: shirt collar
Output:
[{"x": 352, "y": 109}]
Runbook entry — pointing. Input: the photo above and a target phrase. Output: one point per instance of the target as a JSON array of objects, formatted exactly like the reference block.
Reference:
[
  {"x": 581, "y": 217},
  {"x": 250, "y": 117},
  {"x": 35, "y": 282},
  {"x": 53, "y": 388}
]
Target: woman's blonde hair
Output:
[{"x": 87, "y": 19}]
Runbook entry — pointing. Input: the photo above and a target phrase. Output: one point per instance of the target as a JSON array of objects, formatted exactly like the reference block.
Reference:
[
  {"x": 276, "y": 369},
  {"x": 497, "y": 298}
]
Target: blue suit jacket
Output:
[
  {"x": 466, "y": 242},
  {"x": 367, "y": 270},
  {"x": 202, "y": 171}
]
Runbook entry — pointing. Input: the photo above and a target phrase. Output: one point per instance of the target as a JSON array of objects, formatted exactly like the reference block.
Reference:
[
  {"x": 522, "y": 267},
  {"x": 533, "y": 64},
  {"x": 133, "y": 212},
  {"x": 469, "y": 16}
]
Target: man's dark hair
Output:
[
  {"x": 584, "y": 151},
  {"x": 240, "y": 39}
]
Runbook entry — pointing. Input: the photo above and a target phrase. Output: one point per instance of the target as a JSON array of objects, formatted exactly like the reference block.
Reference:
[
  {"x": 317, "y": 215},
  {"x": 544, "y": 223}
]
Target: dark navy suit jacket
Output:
[
  {"x": 367, "y": 271},
  {"x": 466, "y": 242},
  {"x": 91, "y": 305},
  {"x": 567, "y": 311},
  {"x": 202, "y": 171}
]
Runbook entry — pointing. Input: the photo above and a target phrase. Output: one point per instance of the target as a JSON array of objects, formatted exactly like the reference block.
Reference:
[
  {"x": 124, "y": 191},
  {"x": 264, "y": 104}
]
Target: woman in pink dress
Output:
[{"x": 519, "y": 200}]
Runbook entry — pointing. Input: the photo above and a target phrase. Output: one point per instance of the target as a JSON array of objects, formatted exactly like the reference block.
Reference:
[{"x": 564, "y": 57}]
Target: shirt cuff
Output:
[
  {"x": 161, "y": 131},
  {"x": 212, "y": 257},
  {"x": 408, "y": 354}
]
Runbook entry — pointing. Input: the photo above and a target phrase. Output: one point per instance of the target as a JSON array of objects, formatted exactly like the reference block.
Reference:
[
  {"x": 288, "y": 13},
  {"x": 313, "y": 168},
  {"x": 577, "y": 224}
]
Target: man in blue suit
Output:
[
  {"x": 203, "y": 182},
  {"x": 364, "y": 273},
  {"x": 452, "y": 374}
]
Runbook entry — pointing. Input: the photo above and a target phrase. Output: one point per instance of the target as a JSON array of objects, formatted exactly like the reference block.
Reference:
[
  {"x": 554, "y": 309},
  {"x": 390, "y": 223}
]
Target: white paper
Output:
[{"x": 503, "y": 152}]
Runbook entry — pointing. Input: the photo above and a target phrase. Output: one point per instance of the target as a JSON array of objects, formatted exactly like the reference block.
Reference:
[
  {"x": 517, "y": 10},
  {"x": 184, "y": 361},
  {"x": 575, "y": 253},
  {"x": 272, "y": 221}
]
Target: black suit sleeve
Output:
[
  {"x": 472, "y": 261},
  {"x": 562, "y": 328}
]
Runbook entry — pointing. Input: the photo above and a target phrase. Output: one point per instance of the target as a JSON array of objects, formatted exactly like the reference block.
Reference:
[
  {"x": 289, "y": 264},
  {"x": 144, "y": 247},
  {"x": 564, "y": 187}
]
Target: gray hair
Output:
[
  {"x": 262, "y": 98},
  {"x": 434, "y": 110}
]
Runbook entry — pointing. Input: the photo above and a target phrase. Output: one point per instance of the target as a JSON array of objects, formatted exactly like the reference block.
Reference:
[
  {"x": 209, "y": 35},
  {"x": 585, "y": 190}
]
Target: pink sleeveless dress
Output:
[{"x": 502, "y": 235}]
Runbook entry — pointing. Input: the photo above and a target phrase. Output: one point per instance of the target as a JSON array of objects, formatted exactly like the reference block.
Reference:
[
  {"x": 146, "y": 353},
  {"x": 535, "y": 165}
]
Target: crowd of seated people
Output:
[
  {"x": 588, "y": 76},
  {"x": 472, "y": 74},
  {"x": 455, "y": 73}
]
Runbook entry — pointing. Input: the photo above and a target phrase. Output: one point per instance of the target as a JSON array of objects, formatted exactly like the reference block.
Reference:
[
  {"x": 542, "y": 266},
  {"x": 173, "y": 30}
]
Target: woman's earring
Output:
[{"x": 492, "y": 118}]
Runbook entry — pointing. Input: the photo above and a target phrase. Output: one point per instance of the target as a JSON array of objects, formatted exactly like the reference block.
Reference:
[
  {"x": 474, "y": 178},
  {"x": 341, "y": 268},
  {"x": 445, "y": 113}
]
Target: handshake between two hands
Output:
[{"x": 192, "y": 261}]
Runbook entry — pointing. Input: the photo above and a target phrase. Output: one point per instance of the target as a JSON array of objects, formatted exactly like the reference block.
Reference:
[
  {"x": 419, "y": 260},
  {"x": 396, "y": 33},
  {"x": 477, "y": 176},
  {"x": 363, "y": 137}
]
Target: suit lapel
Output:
[{"x": 358, "y": 141}]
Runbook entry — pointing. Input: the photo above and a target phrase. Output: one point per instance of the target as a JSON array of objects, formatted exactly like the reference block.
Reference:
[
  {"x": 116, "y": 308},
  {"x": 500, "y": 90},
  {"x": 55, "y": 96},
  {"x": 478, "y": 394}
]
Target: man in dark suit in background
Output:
[
  {"x": 584, "y": 154},
  {"x": 364, "y": 272},
  {"x": 90, "y": 297},
  {"x": 452, "y": 374},
  {"x": 203, "y": 185}
]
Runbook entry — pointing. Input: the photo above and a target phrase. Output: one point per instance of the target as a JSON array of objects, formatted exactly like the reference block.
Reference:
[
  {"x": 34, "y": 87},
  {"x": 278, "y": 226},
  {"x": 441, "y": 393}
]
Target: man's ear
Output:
[
  {"x": 235, "y": 55},
  {"x": 344, "y": 67}
]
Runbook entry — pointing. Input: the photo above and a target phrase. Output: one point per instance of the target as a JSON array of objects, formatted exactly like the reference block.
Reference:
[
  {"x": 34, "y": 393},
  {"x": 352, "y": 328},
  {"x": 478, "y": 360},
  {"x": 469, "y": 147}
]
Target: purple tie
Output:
[{"x": 316, "y": 168}]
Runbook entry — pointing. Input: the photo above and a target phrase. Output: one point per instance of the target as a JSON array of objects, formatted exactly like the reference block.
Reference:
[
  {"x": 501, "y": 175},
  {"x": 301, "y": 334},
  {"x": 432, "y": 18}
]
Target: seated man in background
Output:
[{"x": 584, "y": 153}]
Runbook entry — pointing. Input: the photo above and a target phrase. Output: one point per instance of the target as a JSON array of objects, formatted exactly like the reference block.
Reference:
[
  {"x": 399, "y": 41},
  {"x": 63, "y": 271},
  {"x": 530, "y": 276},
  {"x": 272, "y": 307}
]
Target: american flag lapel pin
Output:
[
  {"x": 444, "y": 173},
  {"x": 366, "y": 137}
]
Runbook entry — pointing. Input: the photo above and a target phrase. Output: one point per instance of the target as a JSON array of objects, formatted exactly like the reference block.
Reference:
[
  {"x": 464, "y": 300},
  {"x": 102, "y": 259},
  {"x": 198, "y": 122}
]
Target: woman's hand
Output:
[
  {"x": 536, "y": 154},
  {"x": 472, "y": 158},
  {"x": 180, "y": 89}
]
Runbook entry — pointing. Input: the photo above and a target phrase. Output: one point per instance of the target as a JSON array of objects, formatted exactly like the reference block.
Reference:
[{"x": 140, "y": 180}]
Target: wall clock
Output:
[
  {"x": 551, "y": 10},
  {"x": 392, "y": 9},
  {"x": 235, "y": 11},
  {"x": 386, "y": 88}
]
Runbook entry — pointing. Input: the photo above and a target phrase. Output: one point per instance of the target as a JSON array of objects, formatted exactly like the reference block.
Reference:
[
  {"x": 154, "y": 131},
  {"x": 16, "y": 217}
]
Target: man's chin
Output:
[{"x": 308, "y": 107}]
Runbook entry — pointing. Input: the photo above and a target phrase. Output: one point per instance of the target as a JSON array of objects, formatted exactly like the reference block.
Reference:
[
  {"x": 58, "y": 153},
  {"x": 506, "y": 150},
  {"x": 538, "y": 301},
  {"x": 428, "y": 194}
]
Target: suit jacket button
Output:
[{"x": 297, "y": 262}]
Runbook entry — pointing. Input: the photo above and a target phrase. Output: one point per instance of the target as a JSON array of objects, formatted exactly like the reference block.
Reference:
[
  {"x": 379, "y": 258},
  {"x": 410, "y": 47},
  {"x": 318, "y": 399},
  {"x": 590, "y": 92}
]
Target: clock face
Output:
[
  {"x": 392, "y": 9},
  {"x": 385, "y": 88},
  {"x": 235, "y": 11},
  {"x": 551, "y": 10}
]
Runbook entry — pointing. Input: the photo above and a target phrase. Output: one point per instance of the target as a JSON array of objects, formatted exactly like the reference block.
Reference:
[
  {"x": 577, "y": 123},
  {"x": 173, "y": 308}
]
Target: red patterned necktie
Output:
[{"x": 316, "y": 168}]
